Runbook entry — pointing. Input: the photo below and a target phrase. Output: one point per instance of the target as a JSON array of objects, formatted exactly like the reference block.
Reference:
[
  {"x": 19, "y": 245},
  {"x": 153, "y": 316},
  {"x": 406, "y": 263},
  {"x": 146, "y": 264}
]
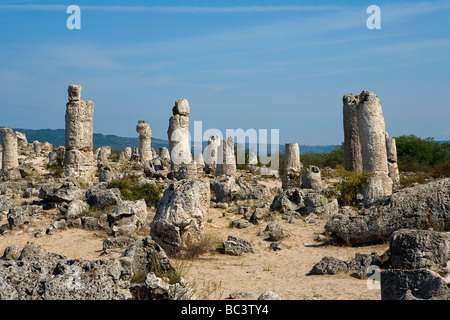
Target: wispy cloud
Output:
[{"x": 174, "y": 9}]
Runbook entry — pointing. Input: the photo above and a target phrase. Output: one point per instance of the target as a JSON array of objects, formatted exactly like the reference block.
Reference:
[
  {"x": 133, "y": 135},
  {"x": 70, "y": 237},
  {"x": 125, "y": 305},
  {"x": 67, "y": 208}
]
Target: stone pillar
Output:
[
  {"x": 352, "y": 146},
  {"x": 22, "y": 141},
  {"x": 199, "y": 160},
  {"x": 292, "y": 158},
  {"x": 312, "y": 179},
  {"x": 371, "y": 128},
  {"x": 252, "y": 158},
  {"x": 291, "y": 178},
  {"x": 37, "y": 147},
  {"x": 391, "y": 150},
  {"x": 164, "y": 153},
  {"x": 79, "y": 160},
  {"x": 127, "y": 153},
  {"x": 211, "y": 153},
  {"x": 10, "y": 158},
  {"x": 178, "y": 134},
  {"x": 145, "y": 140},
  {"x": 226, "y": 161},
  {"x": 102, "y": 156}
]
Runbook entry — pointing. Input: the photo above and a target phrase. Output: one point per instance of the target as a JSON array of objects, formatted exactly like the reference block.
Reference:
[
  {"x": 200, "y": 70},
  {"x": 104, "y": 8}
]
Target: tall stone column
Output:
[
  {"x": 145, "y": 140},
  {"x": 211, "y": 153},
  {"x": 371, "y": 128},
  {"x": 226, "y": 163},
  {"x": 178, "y": 134},
  {"x": 391, "y": 150},
  {"x": 79, "y": 160},
  {"x": 352, "y": 146},
  {"x": 9, "y": 145},
  {"x": 291, "y": 178}
]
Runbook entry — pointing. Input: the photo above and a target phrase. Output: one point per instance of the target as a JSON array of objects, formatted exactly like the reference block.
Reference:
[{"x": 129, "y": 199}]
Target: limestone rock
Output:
[
  {"x": 288, "y": 200},
  {"x": 155, "y": 288},
  {"x": 9, "y": 149},
  {"x": 145, "y": 140},
  {"x": 20, "y": 215},
  {"x": 61, "y": 192},
  {"x": 275, "y": 231},
  {"x": 211, "y": 153},
  {"x": 40, "y": 275},
  {"x": 146, "y": 256},
  {"x": 312, "y": 178},
  {"x": 417, "y": 207},
  {"x": 101, "y": 197},
  {"x": 236, "y": 246},
  {"x": 127, "y": 217},
  {"x": 352, "y": 145},
  {"x": 75, "y": 210},
  {"x": 416, "y": 249},
  {"x": 269, "y": 295},
  {"x": 79, "y": 160},
  {"x": 226, "y": 161},
  {"x": 178, "y": 134},
  {"x": 399, "y": 284},
  {"x": 181, "y": 215}
]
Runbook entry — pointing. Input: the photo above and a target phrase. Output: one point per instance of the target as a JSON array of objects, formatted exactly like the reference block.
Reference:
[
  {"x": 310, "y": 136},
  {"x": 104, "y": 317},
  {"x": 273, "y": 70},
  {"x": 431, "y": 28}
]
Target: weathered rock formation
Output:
[
  {"x": 35, "y": 274},
  {"x": 226, "y": 162},
  {"x": 79, "y": 160},
  {"x": 127, "y": 217},
  {"x": 416, "y": 258},
  {"x": 312, "y": 178},
  {"x": 352, "y": 145},
  {"x": 178, "y": 133},
  {"x": 181, "y": 215},
  {"x": 364, "y": 137},
  {"x": 419, "y": 207},
  {"x": 236, "y": 246},
  {"x": 211, "y": 153},
  {"x": 410, "y": 268},
  {"x": 145, "y": 140},
  {"x": 391, "y": 150},
  {"x": 9, "y": 149},
  {"x": 39, "y": 275},
  {"x": 291, "y": 177}
]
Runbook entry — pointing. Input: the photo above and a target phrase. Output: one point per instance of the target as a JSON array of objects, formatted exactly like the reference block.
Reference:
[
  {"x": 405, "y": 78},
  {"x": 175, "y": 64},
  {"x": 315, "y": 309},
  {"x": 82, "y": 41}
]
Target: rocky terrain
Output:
[{"x": 84, "y": 224}]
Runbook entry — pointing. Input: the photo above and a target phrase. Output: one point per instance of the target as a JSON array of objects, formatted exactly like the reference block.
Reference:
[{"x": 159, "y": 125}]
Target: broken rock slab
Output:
[
  {"x": 236, "y": 246},
  {"x": 419, "y": 284},
  {"x": 419, "y": 207}
]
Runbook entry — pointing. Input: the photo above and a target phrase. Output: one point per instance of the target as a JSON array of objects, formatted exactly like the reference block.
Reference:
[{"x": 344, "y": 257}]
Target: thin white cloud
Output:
[{"x": 174, "y": 9}]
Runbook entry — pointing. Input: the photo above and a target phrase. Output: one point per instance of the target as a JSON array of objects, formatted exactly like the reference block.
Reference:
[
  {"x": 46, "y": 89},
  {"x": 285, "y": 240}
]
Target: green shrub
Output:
[
  {"x": 131, "y": 190},
  {"x": 416, "y": 177},
  {"x": 351, "y": 184},
  {"x": 423, "y": 155}
]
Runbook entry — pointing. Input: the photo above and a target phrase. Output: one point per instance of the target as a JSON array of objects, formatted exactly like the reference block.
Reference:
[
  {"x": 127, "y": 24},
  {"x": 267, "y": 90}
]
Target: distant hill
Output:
[{"x": 57, "y": 138}]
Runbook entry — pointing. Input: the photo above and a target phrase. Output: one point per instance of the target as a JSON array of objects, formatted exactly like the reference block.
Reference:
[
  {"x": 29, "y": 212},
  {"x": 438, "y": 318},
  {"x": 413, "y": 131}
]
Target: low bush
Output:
[
  {"x": 130, "y": 189},
  {"x": 351, "y": 184}
]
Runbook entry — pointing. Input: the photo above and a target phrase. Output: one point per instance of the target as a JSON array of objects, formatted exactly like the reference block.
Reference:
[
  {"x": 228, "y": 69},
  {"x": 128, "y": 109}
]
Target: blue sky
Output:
[{"x": 241, "y": 64}]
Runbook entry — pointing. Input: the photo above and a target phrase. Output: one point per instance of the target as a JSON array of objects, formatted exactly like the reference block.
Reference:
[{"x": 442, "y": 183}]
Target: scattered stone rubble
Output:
[{"x": 411, "y": 267}]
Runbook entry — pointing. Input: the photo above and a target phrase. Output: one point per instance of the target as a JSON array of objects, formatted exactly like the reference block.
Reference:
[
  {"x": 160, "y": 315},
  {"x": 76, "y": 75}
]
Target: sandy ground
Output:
[{"x": 216, "y": 275}]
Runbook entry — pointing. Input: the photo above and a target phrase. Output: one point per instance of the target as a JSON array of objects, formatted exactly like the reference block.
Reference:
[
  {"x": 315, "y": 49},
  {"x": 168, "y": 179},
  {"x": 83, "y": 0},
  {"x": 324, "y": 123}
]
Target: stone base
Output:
[{"x": 79, "y": 165}]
